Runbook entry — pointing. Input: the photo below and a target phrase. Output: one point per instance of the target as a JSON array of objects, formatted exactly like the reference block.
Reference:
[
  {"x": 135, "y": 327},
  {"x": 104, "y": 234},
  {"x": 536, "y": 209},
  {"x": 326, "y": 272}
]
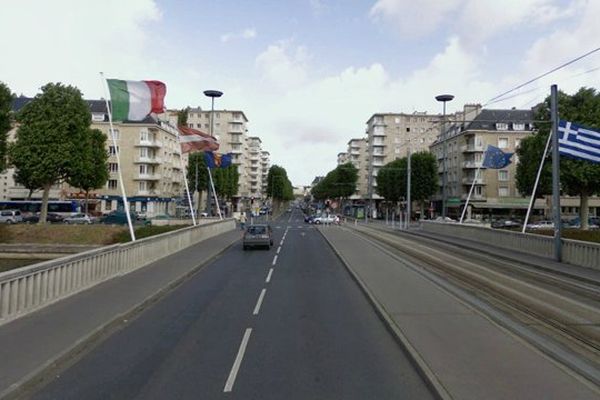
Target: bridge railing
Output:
[
  {"x": 575, "y": 252},
  {"x": 29, "y": 288}
]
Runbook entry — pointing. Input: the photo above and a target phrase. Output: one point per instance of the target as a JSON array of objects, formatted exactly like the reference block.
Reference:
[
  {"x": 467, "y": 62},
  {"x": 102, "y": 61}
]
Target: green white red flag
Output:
[{"x": 135, "y": 100}]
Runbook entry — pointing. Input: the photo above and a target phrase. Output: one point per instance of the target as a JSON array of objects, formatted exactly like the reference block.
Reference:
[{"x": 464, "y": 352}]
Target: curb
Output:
[
  {"x": 65, "y": 359},
  {"x": 431, "y": 380}
]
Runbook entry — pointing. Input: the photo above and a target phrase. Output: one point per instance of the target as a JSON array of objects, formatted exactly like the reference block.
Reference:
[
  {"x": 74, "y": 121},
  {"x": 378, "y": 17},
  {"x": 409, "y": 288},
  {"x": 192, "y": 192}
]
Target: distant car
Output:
[
  {"x": 50, "y": 217},
  {"x": 79, "y": 219},
  {"x": 472, "y": 222},
  {"x": 289, "y": 210},
  {"x": 444, "y": 219},
  {"x": 309, "y": 219},
  {"x": 506, "y": 224},
  {"x": 541, "y": 225},
  {"x": 258, "y": 236},
  {"x": 325, "y": 219},
  {"x": 10, "y": 217},
  {"x": 575, "y": 223},
  {"x": 118, "y": 218}
]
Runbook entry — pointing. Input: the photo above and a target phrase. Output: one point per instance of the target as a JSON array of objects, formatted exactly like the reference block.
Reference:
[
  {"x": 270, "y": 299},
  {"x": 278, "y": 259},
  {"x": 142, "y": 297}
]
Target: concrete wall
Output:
[{"x": 27, "y": 289}]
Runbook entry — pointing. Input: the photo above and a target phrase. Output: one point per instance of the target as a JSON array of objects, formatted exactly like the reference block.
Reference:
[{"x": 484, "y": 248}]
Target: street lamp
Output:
[
  {"x": 444, "y": 98},
  {"x": 212, "y": 94}
]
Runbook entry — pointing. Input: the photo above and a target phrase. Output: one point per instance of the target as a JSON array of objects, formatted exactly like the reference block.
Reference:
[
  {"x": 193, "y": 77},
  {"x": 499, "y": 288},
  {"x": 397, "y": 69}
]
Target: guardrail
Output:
[
  {"x": 576, "y": 252},
  {"x": 27, "y": 289}
]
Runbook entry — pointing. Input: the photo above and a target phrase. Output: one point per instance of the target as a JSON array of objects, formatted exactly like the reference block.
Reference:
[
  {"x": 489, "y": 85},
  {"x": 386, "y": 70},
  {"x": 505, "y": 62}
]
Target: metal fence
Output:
[
  {"x": 584, "y": 254},
  {"x": 29, "y": 288}
]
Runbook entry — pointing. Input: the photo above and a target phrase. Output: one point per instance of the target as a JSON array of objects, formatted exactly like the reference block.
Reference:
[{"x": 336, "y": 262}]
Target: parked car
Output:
[
  {"x": 258, "y": 236},
  {"x": 325, "y": 219},
  {"x": 541, "y": 225},
  {"x": 309, "y": 219},
  {"x": 444, "y": 219},
  {"x": 472, "y": 222},
  {"x": 50, "y": 217},
  {"x": 118, "y": 218},
  {"x": 575, "y": 223},
  {"x": 10, "y": 216},
  {"x": 506, "y": 224},
  {"x": 80, "y": 219}
]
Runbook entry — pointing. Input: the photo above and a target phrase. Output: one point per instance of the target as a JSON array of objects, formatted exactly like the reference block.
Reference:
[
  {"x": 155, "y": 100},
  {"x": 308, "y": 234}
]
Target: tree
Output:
[
  {"x": 346, "y": 176},
  {"x": 92, "y": 168},
  {"x": 577, "y": 177},
  {"x": 391, "y": 180},
  {"x": 182, "y": 116},
  {"x": 197, "y": 175},
  {"x": 279, "y": 187},
  {"x": 6, "y": 98},
  {"x": 52, "y": 127}
]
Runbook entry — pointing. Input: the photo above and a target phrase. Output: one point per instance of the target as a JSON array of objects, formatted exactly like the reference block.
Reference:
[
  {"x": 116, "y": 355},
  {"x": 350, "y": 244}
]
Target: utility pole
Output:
[
  {"x": 555, "y": 173},
  {"x": 212, "y": 94},
  {"x": 408, "y": 199}
]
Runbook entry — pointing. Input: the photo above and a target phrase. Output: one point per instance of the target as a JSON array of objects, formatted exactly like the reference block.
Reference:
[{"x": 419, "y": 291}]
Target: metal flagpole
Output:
[
  {"x": 408, "y": 199},
  {"x": 112, "y": 135},
  {"x": 214, "y": 193},
  {"x": 187, "y": 188},
  {"x": 537, "y": 180},
  {"x": 555, "y": 173},
  {"x": 462, "y": 216}
]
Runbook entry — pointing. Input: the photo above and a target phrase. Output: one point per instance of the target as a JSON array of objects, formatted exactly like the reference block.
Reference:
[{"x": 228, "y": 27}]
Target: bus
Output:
[{"x": 64, "y": 208}]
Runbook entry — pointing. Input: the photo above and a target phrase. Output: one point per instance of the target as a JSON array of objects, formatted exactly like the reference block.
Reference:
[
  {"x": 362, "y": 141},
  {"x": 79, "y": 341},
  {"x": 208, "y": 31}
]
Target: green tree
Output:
[
  {"x": 391, "y": 180},
  {"x": 346, "y": 176},
  {"x": 279, "y": 187},
  {"x": 197, "y": 175},
  {"x": 577, "y": 177},
  {"x": 92, "y": 168},
  {"x": 6, "y": 98},
  {"x": 182, "y": 116},
  {"x": 52, "y": 127}
]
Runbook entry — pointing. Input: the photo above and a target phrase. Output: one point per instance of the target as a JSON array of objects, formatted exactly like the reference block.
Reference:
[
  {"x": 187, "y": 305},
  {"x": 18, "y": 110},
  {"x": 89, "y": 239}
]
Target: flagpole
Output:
[
  {"x": 537, "y": 180},
  {"x": 555, "y": 173},
  {"x": 462, "y": 216},
  {"x": 112, "y": 135},
  {"x": 187, "y": 188},
  {"x": 212, "y": 184}
]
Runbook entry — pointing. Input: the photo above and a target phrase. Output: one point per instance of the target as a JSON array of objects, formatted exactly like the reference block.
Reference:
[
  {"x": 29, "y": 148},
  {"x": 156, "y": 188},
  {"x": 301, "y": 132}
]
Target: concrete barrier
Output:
[
  {"x": 29, "y": 288},
  {"x": 584, "y": 254}
]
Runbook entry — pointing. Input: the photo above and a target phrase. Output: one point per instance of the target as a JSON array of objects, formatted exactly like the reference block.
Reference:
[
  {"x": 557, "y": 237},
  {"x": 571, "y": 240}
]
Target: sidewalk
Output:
[
  {"x": 462, "y": 354},
  {"x": 31, "y": 343}
]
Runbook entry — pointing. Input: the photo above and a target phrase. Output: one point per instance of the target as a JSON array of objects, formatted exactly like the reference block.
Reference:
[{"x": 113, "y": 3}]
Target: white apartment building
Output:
[{"x": 265, "y": 164}]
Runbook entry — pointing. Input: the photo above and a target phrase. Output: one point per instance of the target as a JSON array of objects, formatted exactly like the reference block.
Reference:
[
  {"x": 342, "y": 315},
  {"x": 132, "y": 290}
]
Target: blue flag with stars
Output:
[{"x": 495, "y": 158}]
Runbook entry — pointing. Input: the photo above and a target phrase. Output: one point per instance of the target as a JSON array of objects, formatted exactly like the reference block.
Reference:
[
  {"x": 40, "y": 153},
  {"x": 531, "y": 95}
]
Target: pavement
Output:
[
  {"x": 289, "y": 323},
  {"x": 462, "y": 354}
]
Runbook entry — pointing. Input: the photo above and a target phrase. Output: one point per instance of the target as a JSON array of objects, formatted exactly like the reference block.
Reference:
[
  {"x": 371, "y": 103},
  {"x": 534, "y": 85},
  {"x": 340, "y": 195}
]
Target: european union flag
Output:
[
  {"x": 495, "y": 158},
  {"x": 215, "y": 160}
]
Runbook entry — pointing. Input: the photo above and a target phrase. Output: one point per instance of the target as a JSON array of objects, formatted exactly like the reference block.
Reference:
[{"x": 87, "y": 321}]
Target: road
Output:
[{"x": 289, "y": 323}]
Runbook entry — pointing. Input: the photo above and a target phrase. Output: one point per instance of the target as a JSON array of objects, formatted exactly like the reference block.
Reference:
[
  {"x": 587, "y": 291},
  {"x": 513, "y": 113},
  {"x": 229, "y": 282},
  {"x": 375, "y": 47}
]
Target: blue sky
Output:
[{"x": 308, "y": 73}]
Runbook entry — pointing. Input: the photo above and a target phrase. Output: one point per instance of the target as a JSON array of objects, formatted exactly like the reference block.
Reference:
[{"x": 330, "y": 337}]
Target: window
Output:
[
  {"x": 198, "y": 126},
  {"x": 503, "y": 191},
  {"x": 112, "y": 151},
  {"x": 397, "y": 150},
  {"x": 112, "y": 183},
  {"x": 407, "y": 129},
  {"x": 503, "y": 175},
  {"x": 397, "y": 120},
  {"x": 143, "y": 169},
  {"x": 503, "y": 143},
  {"x": 143, "y": 152},
  {"x": 115, "y": 134},
  {"x": 478, "y": 190},
  {"x": 518, "y": 127},
  {"x": 517, "y": 143},
  {"x": 113, "y": 167},
  {"x": 144, "y": 135},
  {"x": 142, "y": 186},
  {"x": 501, "y": 126},
  {"x": 108, "y": 205}
]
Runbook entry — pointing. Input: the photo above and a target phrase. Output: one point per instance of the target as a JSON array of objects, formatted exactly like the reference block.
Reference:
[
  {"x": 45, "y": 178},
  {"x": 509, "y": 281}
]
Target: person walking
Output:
[{"x": 243, "y": 220}]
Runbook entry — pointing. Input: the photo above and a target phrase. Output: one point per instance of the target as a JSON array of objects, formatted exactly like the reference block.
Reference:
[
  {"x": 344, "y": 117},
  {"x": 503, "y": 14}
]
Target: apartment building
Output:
[
  {"x": 255, "y": 167},
  {"x": 265, "y": 164},
  {"x": 462, "y": 149},
  {"x": 342, "y": 158},
  {"x": 389, "y": 137},
  {"x": 357, "y": 155}
]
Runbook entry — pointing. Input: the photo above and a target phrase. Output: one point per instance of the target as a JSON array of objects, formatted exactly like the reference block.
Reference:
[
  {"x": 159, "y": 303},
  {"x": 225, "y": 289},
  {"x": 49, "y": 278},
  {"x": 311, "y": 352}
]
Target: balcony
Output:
[
  {"x": 149, "y": 192},
  {"x": 378, "y": 163},
  {"x": 148, "y": 143},
  {"x": 235, "y": 129},
  {"x": 147, "y": 177},
  {"x": 236, "y": 151},
  {"x": 472, "y": 164},
  {"x": 472, "y": 148},
  {"x": 469, "y": 181},
  {"x": 148, "y": 160}
]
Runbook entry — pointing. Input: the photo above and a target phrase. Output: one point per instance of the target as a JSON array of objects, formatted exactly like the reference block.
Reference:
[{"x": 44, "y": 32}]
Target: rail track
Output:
[{"x": 562, "y": 310}]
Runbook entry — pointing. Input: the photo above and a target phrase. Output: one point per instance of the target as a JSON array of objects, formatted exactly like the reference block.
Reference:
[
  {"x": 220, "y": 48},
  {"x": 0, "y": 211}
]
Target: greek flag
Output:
[{"x": 578, "y": 142}]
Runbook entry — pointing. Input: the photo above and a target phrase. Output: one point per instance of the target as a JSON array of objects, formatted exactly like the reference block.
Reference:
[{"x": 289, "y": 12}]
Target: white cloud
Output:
[
  {"x": 249, "y": 33},
  {"x": 318, "y": 7},
  {"x": 282, "y": 66}
]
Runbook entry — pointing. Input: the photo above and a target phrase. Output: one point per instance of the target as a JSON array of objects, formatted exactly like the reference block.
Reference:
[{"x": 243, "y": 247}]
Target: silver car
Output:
[
  {"x": 10, "y": 216},
  {"x": 79, "y": 219},
  {"x": 258, "y": 236}
]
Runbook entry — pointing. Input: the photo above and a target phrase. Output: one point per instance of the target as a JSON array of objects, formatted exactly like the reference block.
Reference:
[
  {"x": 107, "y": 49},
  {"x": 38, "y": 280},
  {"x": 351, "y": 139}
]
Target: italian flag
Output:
[{"x": 135, "y": 100}]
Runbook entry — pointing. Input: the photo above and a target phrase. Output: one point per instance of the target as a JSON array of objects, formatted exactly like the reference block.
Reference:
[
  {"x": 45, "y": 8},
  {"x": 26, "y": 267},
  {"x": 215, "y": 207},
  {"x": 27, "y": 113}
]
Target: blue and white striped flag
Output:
[{"x": 578, "y": 142}]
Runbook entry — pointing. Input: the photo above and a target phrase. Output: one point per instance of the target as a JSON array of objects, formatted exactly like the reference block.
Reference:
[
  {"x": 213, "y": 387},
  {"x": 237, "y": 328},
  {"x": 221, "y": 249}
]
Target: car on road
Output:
[
  {"x": 541, "y": 225},
  {"x": 444, "y": 219},
  {"x": 50, "y": 217},
  {"x": 506, "y": 224},
  {"x": 118, "y": 217},
  {"x": 258, "y": 235},
  {"x": 326, "y": 219},
  {"x": 309, "y": 218},
  {"x": 10, "y": 216},
  {"x": 80, "y": 218}
]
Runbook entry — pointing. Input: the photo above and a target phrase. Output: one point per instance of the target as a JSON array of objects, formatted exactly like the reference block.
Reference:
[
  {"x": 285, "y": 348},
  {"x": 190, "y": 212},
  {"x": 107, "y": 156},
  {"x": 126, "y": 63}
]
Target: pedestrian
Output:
[{"x": 243, "y": 220}]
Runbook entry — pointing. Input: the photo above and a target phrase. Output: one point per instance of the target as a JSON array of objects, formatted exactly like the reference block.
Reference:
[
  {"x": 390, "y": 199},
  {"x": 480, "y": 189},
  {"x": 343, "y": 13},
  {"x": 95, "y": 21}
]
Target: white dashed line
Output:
[
  {"x": 274, "y": 260},
  {"x": 238, "y": 361},
  {"x": 269, "y": 275},
  {"x": 278, "y": 249},
  {"x": 259, "y": 302}
]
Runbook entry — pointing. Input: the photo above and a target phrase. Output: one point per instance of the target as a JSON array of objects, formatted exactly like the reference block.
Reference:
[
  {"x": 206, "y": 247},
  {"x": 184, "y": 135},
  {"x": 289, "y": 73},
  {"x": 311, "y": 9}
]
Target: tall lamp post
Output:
[
  {"x": 212, "y": 94},
  {"x": 444, "y": 98}
]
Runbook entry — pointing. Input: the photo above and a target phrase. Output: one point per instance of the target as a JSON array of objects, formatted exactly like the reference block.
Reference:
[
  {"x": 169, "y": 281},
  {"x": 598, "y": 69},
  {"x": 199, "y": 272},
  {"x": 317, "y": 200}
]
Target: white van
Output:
[{"x": 10, "y": 216}]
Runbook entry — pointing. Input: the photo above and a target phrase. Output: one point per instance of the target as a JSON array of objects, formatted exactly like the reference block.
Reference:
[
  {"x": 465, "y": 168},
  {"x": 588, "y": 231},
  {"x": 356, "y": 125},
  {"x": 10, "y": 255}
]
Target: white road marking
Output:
[
  {"x": 281, "y": 243},
  {"x": 259, "y": 302},
  {"x": 269, "y": 276},
  {"x": 300, "y": 226},
  {"x": 278, "y": 249},
  {"x": 274, "y": 260},
  {"x": 238, "y": 361}
]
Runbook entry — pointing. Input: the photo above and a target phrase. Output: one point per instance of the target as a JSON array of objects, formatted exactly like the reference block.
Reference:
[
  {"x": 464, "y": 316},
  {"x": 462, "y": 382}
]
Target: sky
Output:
[{"x": 307, "y": 73}]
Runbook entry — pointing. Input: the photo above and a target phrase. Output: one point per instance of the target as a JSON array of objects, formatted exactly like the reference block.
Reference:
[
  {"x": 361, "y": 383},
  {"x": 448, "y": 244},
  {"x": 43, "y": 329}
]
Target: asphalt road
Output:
[{"x": 288, "y": 323}]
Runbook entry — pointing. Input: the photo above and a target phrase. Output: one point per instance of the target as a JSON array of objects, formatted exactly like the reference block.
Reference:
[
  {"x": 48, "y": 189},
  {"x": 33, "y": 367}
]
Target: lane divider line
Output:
[
  {"x": 274, "y": 260},
  {"x": 269, "y": 275},
  {"x": 238, "y": 361},
  {"x": 259, "y": 302},
  {"x": 278, "y": 249}
]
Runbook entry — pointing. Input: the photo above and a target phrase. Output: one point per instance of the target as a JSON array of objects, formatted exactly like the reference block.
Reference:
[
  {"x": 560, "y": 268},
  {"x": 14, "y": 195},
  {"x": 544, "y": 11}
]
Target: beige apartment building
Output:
[
  {"x": 342, "y": 158},
  {"x": 265, "y": 164},
  {"x": 390, "y": 135},
  {"x": 357, "y": 155},
  {"x": 462, "y": 148}
]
